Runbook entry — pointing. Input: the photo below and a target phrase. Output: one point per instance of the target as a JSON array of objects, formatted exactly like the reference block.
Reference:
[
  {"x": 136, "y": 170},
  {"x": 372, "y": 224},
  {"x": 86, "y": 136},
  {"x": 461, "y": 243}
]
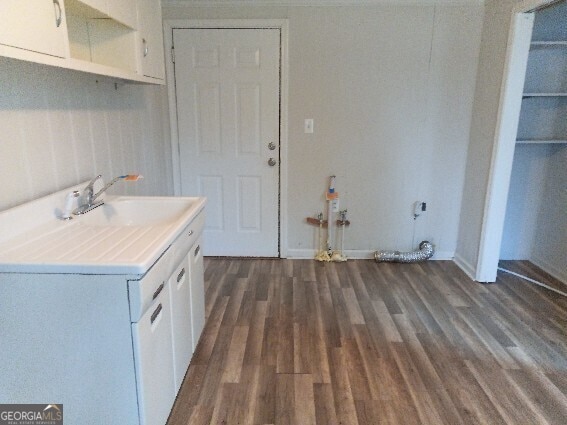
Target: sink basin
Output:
[
  {"x": 124, "y": 236},
  {"x": 137, "y": 211}
]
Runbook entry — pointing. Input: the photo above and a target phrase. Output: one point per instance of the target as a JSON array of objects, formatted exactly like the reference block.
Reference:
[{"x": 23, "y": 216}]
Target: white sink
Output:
[
  {"x": 126, "y": 235},
  {"x": 138, "y": 211}
]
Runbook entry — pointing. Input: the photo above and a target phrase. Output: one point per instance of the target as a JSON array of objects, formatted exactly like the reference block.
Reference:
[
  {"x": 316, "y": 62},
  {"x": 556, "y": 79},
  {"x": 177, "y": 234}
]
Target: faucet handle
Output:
[
  {"x": 93, "y": 181},
  {"x": 69, "y": 201}
]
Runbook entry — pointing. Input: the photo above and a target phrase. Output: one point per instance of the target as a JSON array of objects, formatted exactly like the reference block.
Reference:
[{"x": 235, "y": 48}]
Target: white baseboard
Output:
[
  {"x": 356, "y": 254},
  {"x": 465, "y": 266},
  {"x": 443, "y": 255},
  {"x": 310, "y": 254},
  {"x": 550, "y": 268}
]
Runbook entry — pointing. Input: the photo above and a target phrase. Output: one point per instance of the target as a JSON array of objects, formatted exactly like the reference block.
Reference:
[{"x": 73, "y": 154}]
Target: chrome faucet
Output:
[
  {"x": 88, "y": 197},
  {"x": 89, "y": 190}
]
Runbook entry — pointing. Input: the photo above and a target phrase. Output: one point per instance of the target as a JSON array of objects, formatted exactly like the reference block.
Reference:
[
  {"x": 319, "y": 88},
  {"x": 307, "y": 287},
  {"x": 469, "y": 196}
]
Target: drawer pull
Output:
[
  {"x": 197, "y": 250},
  {"x": 58, "y": 13},
  {"x": 158, "y": 291},
  {"x": 156, "y": 313},
  {"x": 181, "y": 274},
  {"x": 190, "y": 233}
]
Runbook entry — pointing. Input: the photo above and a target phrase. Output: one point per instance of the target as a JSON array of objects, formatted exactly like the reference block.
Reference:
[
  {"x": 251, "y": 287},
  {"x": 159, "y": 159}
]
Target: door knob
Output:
[
  {"x": 271, "y": 146},
  {"x": 271, "y": 162}
]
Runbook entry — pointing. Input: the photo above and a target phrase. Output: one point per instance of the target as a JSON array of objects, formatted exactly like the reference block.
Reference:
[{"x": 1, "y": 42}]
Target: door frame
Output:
[
  {"x": 519, "y": 39},
  {"x": 281, "y": 24}
]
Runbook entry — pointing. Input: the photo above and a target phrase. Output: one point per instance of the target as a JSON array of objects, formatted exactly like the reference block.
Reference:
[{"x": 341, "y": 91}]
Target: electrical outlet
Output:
[{"x": 309, "y": 125}]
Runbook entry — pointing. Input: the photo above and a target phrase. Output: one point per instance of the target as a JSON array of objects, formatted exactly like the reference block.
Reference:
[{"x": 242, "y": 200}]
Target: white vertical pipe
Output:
[{"x": 330, "y": 225}]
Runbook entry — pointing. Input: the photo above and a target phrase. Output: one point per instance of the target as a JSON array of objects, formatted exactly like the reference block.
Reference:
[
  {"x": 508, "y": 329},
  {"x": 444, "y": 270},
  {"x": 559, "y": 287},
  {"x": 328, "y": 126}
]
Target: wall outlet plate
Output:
[{"x": 308, "y": 125}]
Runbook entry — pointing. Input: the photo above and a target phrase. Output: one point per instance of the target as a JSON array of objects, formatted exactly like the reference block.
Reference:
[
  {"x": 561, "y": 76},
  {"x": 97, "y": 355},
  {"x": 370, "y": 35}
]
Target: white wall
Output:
[
  {"x": 61, "y": 127},
  {"x": 485, "y": 111},
  {"x": 390, "y": 89}
]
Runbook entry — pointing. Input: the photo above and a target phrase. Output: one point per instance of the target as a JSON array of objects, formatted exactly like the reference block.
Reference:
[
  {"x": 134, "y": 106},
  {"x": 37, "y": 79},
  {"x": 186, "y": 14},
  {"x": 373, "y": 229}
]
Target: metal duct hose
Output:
[{"x": 425, "y": 252}]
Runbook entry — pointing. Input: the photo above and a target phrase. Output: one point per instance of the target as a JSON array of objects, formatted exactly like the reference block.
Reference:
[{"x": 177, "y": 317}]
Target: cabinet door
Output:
[
  {"x": 154, "y": 362},
  {"x": 35, "y": 25},
  {"x": 197, "y": 273},
  {"x": 180, "y": 296},
  {"x": 151, "y": 38}
]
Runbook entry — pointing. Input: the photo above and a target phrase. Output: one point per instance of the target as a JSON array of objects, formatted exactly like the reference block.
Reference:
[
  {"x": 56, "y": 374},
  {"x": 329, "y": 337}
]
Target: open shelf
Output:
[
  {"x": 544, "y": 101},
  {"x": 542, "y": 117},
  {"x": 549, "y": 43},
  {"x": 545, "y": 95},
  {"x": 541, "y": 142}
]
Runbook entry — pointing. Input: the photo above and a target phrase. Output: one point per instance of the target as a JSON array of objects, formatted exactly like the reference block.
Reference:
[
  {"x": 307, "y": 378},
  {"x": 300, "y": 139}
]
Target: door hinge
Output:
[{"x": 172, "y": 54}]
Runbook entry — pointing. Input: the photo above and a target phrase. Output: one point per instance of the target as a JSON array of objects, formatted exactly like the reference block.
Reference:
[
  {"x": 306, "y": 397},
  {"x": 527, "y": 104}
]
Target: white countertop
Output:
[{"x": 49, "y": 245}]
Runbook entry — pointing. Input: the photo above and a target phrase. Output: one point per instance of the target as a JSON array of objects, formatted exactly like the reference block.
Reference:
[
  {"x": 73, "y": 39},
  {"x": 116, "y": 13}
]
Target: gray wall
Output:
[
  {"x": 549, "y": 246},
  {"x": 62, "y": 127},
  {"x": 536, "y": 223},
  {"x": 390, "y": 89},
  {"x": 527, "y": 181}
]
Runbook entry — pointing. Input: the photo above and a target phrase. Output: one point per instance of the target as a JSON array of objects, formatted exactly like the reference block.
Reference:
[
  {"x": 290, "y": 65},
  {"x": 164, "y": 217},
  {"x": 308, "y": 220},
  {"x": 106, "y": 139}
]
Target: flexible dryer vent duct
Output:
[{"x": 425, "y": 252}]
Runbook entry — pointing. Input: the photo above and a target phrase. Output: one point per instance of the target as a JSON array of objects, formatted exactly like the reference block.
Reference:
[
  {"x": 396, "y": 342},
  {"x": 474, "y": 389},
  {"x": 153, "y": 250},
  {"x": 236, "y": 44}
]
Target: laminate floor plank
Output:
[
  {"x": 265, "y": 402},
  {"x": 255, "y": 341},
  {"x": 300, "y": 342},
  {"x": 285, "y": 399},
  {"x": 531, "y": 271},
  {"x": 324, "y": 404}
]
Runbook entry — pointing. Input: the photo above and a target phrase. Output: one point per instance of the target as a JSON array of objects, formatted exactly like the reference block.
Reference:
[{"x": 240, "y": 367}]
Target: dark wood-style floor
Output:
[{"x": 300, "y": 342}]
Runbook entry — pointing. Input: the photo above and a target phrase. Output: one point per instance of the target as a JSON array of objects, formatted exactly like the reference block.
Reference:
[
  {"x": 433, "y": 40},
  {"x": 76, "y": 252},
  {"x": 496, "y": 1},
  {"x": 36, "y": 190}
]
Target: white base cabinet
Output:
[{"x": 113, "y": 349}]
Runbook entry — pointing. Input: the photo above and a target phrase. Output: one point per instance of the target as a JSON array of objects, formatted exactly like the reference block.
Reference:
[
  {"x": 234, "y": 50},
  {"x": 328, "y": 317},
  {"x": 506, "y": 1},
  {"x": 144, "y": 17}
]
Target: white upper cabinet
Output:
[
  {"x": 151, "y": 39},
  {"x": 34, "y": 25},
  {"x": 116, "y": 38}
]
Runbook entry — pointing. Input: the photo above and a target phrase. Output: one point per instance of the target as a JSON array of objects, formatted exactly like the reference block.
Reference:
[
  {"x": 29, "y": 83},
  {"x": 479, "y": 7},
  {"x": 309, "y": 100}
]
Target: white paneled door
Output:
[{"x": 227, "y": 84}]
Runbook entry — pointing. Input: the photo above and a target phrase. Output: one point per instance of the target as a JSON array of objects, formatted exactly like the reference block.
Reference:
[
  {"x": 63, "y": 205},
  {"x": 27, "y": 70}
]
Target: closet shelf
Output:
[
  {"x": 540, "y": 142},
  {"x": 549, "y": 43},
  {"x": 544, "y": 95}
]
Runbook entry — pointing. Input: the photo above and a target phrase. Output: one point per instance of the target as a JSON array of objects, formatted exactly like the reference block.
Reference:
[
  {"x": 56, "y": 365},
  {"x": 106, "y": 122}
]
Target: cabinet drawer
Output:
[
  {"x": 187, "y": 238},
  {"x": 143, "y": 292}
]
